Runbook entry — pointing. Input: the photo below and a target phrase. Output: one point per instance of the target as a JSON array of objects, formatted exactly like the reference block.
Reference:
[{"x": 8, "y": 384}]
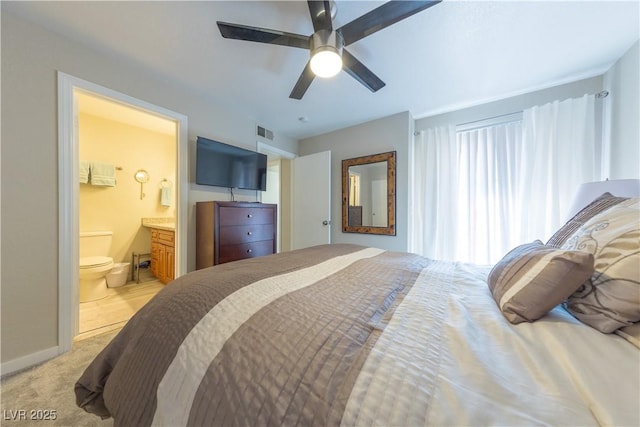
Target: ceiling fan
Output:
[{"x": 326, "y": 45}]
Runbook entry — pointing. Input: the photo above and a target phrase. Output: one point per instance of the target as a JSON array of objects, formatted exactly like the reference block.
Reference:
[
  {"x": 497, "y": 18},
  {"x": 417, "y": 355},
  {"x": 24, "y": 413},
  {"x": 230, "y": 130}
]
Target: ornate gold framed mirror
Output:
[{"x": 369, "y": 194}]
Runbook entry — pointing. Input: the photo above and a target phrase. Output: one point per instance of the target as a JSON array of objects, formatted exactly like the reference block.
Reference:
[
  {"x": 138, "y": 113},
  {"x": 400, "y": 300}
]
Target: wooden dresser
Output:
[
  {"x": 230, "y": 231},
  {"x": 163, "y": 263}
]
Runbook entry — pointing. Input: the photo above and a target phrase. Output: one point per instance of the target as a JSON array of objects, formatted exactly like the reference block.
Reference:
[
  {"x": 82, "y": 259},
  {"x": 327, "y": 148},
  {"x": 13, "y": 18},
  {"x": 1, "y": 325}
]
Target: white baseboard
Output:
[{"x": 28, "y": 361}]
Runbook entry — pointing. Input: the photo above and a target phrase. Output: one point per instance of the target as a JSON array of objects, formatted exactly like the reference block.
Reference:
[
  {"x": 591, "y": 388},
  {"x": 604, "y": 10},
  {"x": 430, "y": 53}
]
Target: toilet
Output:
[{"x": 94, "y": 264}]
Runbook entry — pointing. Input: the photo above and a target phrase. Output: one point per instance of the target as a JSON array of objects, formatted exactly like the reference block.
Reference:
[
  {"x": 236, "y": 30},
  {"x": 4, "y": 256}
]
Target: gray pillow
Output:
[
  {"x": 533, "y": 278},
  {"x": 610, "y": 299}
]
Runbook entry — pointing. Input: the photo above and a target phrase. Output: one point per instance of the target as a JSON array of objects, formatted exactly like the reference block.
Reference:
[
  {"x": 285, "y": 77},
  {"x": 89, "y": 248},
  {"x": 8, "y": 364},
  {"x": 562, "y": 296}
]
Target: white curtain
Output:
[
  {"x": 488, "y": 178},
  {"x": 559, "y": 154},
  {"x": 479, "y": 193},
  {"x": 434, "y": 230}
]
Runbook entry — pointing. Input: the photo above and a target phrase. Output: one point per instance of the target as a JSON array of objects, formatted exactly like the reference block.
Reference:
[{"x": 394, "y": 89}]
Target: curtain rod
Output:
[
  {"x": 506, "y": 118},
  {"x": 503, "y": 118},
  {"x": 490, "y": 121}
]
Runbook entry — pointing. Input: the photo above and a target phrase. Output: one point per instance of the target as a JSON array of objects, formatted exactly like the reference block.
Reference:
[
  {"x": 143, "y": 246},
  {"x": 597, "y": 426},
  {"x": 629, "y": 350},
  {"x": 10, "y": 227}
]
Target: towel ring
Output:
[
  {"x": 141, "y": 176},
  {"x": 165, "y": 183}
]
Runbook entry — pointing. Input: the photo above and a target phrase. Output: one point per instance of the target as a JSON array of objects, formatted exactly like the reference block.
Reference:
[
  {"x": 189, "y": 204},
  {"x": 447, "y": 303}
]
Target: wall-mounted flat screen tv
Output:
[{"x": 224, "y": 165}]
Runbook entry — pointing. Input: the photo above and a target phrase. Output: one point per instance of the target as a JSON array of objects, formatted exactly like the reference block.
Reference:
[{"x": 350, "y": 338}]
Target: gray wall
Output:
[
  {"x": 393, "y": 133},
  {"x": 513, "y": 104},
  {"x": 31, "y": 57},
  {"x": 622, "y": 80}
]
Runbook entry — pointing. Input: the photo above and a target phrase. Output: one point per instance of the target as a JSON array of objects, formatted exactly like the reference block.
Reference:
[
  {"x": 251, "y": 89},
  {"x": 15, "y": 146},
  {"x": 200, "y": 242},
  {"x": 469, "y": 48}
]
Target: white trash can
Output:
[{"x": 118, "y": 274}]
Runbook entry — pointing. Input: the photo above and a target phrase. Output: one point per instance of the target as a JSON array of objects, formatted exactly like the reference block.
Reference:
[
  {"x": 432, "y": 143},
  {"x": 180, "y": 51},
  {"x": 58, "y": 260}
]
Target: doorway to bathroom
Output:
[
  {"x": 128, "y": 161},
  {"x": 118, "y": 127}
]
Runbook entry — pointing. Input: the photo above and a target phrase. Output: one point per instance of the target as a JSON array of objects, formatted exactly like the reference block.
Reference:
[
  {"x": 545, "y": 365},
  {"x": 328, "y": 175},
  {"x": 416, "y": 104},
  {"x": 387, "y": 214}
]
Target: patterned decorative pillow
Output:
[
  {"x": 600, "y": 204},
  {"x": 533, "y": 278},
  {"x": 610, "y": 299},
  {"x": 631, "y": 333}
]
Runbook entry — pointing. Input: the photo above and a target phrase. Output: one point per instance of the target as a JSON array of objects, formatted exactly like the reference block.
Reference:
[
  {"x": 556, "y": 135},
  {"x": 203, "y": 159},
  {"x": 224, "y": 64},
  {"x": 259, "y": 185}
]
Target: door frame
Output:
[
  {"x": 68, "y": 194},
  {"x": 263, "y": 147}
]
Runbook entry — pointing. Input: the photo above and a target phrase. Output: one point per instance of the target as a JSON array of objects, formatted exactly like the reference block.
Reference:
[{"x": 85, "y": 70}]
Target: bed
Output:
[{"x": 351, "y": 335}]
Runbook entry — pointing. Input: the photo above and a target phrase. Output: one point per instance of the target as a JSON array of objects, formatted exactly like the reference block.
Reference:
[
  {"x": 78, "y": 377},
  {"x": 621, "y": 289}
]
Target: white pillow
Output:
[{"x": 610, "y": 299}]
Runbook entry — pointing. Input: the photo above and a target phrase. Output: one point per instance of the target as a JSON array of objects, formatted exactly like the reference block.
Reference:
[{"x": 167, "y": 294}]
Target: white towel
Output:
[
  {"x": 166, "y": 196},
  {"x": 85, "y": 167},
  {"x": 103, "y": 174}
]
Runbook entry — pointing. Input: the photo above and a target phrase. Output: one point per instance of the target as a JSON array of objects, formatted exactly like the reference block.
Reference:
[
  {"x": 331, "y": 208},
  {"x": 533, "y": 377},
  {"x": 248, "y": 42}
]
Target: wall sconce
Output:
[
  {"x": 141, "y": 176},
  {"x": 326, "y": 53}
]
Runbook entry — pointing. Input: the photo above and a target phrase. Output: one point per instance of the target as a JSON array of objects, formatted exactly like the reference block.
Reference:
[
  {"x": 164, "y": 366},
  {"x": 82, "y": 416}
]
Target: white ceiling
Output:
[
  {"x": 110, "y": 110},
  {"x": 455, "y": 54}
]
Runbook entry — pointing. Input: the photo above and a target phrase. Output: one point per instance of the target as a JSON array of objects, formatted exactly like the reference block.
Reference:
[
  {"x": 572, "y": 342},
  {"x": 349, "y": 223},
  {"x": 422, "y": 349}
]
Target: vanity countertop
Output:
[{"x": 161, "y": 223}]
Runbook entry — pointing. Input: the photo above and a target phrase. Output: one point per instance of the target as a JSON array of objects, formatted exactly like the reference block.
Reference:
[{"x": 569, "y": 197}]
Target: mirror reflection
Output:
[
  {"x": 368, "y": 194},
  {"x": 142, "y": 176}
]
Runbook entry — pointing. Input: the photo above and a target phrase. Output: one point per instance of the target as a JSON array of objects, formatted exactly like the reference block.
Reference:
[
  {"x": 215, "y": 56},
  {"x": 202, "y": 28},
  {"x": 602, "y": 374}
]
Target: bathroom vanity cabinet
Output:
[
  {"x": 231, "y": 231},
  {"x": 163, "y": 263}
]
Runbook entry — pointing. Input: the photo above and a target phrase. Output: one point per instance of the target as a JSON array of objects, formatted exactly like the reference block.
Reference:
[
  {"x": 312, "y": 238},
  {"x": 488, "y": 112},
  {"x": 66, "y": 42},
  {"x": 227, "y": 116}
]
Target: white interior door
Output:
[
  {"x": 379, "y": 203},
  {"x": 311, "y": 215}
]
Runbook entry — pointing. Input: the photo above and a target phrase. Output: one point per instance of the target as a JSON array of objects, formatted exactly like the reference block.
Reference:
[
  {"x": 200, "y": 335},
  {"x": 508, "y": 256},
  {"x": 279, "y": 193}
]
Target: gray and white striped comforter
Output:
[{"x": 330, "y": 335}]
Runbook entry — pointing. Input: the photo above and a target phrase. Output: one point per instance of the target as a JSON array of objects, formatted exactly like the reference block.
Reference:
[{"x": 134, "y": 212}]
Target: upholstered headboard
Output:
[{"x": 590, "y": 190}]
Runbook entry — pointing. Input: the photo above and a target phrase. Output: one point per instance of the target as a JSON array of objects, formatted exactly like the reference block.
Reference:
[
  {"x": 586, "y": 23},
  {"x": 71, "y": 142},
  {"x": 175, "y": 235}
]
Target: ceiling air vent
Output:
[{"x": 265, "y": 133}]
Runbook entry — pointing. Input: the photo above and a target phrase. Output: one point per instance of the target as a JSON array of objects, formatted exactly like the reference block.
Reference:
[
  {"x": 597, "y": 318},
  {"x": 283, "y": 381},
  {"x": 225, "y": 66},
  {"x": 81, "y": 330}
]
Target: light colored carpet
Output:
[{"x": 49, "y": 387}]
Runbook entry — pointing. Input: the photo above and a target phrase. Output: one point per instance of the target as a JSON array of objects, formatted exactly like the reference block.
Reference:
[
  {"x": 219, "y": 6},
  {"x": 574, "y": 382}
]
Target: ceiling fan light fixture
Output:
[
  {"x": 326, "y": 53},
  {"x": 326, "y": 63}
]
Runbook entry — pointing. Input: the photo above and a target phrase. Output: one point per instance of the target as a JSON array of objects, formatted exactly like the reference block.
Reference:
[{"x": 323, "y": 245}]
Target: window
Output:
[
  {"x": 487, "y": 177},
  {"x": 480, "y": 189}
]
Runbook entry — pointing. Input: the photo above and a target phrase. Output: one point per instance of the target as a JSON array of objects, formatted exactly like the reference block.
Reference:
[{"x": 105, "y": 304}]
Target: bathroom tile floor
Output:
[{"x": 113, "y": 311}]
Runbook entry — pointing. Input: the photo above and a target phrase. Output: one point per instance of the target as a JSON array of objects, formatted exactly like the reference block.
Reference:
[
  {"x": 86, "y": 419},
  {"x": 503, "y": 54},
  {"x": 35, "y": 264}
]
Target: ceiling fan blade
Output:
[
  {"x": 382, "y": 17},
  {"x": 360, "y": 72},
  {"x": 303, "y": 83},
  {"x": 262, "y": 35},
  {"x": 320, "y": 15}
]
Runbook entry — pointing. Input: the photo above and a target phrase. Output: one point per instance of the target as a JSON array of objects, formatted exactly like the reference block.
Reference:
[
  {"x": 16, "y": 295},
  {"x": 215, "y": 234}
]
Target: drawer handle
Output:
[
  {"x": 249, "y": 216},
  {"x": 249, "y": 233},
  {"x": 249, "y": 251}
]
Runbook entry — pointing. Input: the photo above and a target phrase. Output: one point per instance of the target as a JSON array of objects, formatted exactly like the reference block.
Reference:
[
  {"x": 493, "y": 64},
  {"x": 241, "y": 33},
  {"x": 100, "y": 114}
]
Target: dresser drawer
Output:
[
  {"x": 230, "y": 231},
  {"x": 230, "y": 253},
  {"x": 245, "y": 216},
  {"x": 245, "y": 233}
]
